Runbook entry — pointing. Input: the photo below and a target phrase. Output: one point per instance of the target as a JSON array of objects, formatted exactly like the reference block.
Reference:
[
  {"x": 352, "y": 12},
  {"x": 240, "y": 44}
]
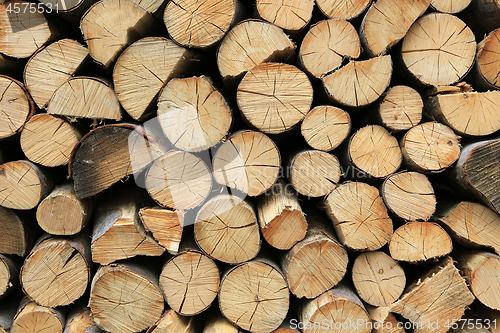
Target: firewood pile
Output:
[{"x": 224, "y": 166}]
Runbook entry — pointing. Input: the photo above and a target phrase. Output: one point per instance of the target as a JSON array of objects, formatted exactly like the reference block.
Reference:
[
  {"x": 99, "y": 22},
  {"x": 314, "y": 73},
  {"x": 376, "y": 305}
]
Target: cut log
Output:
[
  {"x": 280, "y": 216},
  {"x": 8, "y": 310},
  {"x": 450, "y": 6},
  {"x": 254, "y": 296},
  {"x": 109, "y": 25},
  {"x": 32, "y": 317},
  {"x": 9, "y": 272},
  {"x": 443, "y": 59},
  {"x": 378, "y": 279},
  {"x": 165, "y": 225},
  {"x": 142, "y": 70},
  {"x": 359, "y": 216},
  {"x": 53, "y": 65},
  {"x": 317, "y": 263},
  {"x": 400, "y": 109},
  {"x": 16, "y": 105},
  {"x": 419, "y": 241},
  {"x": 125, "y": 297},
  {"x": 248, "y": 161},
  {"x": 290, "y": 15},
  {"x": 430, "y": 147},
  {"x": 486, "y": 70},
  {"x": 16, "y": 233},
  {"x": 485, "y": 15},
  {"x": 217, "y": 323},
  {"x": 314, "y": 173},
  {"x": 49, "y": 140},
  {"x": 193, "y": 114},
  {"x": 374, "y": 151},
  {"x": 325, "y": 127},
  {"x": 326, "y": 45},
  {"x": 387, "y": 21},
  {"x": 439, "y": 296},
  {"x": 248, "y": 44},
  {"x": 339, "y": 9},
  {"x": 409, "y": 195},
  {"x": 171, "y": 322},
  {"x": 384, "y": 321},
  {"x": 23, "y": 185},
  {"x": 226, "y": 229},
  {"x": 85, "y": 97},
  {"x": 79, "y": 320},
  {"x": 359, "y": 83}
]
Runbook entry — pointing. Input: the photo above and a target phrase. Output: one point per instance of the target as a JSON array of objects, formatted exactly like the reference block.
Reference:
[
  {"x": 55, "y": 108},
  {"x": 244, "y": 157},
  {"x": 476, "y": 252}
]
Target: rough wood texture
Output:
[
  {"x": 79, "y": 320},
  {"x": 450, "y": 6},
  {"x": 289, "y": 15},
  {"x": 400, "y": 108},
  {"x": 9, "y": 272},
  {"x": 359, "y": 216},
  {"x": 383, "y": 321},
  {"x": 32, "y": 317},
  {"x": 325, "y": 127},
  {"x": 171, "y": 322},
  {"x": 217, "y": 323},
  {"x": 486, "y": 67},
  {"x": 16, "y": 233},
  {"x": 339, "y": 9},
  {"x": 16, "y": 105},
  {"x": 165, "y": 225}
]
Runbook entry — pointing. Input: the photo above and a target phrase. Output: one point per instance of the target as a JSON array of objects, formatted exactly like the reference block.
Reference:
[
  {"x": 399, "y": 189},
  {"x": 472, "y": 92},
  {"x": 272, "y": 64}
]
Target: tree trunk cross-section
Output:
[
  {"x": 16, "y": 105},
  {"x": 289, "y": 15},
  {"x": 165, "y": 225},
  {"x": 401, "y": 108},
  {"x": 450, "y": 6},
  {"x": 341, "y": 9},
  {"x": 32, "y": 317},
  {"x": 487, "y": 67}
]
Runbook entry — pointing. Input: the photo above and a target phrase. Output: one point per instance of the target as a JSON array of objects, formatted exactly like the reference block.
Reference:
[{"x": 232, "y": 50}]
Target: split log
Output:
[
  {"x": 430, "y": 147},
  {"x": 165, "y": 225},
  {"x": 142, "y": 70},
  {"x": 16, "y": 105},
  {"x": 339, "y": 9},
  {"x": 439, "y": 296},
  {"x": 32, "y": 317},
  {"x": 485, "y": 15},
  {"x": 378, "y": 279},
  {"x": 247, "y": 161},
  {"x": 9, "y": 272},
  {"x": 217, "y": 323},
  {"x": 291, "y": 15},
  {"x": 226, "y": 229},
  {"x": 326, "y": 45},
  {"x": 248, "y": 44},
  {"x": 85, "y": 97},
  {"x": 374, "y": 151},
  {"x": 280, "y": 216},
  {"x": 277, "y": 111},
  {"x": 384, "y": 321},
  {"x": 125, "y": 297},
  {"x": 359, "y": 83},
  {"x": 16, "y": 233},
  {"x": 23, "y": 184},
  {"x": 254, "y": 296},
  {"x": 419, "y": 241},
  {"x": 53, "y": 65},
  {"x": 400, "y": 109},
  {"x": 79, "y": 320},
  {"x": 8, "y": 310},
  {"x": 317, "y": 263},
  {"x": 409, "y": 195},
  {"x": 443, "y": 59},
  {"x": 314, "y": 173},
  {"x": 359, "y": 216},
  {"x": 325, "y": 127},
  {"x": 171, "y": 322},
  {"x": 486, "y": 71},
  {"x": 200, "y": 113},
  {"x": 49, "y": 140},
  {"x": 450, "y": 6}
]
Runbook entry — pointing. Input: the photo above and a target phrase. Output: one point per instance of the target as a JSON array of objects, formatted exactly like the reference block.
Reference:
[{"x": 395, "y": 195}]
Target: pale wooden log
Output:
[
  {"x": 125, "y": 297},
  {"x": 430, "y": 147},
  {"x": 9, "y": 272},
  {"x": 200, "y": 113},
  {"x": 23, "y": 185},
  {"x": 383, "y": 321},
  {"x": 450, "y": 6},
  {"x": 248, "y": 44},
  {"x": 485, "y": 15},
  {"x": 79, "y": 320},
  {"x": 16, "y": 233},
  {"x": 247, "y": 161},
  {"x": 359, "y": 83},
  {"x": 280, "y": 216},
  {"x": 359, "y": 216},
  {"x": 443, "y": 59},
  {"x": 8, "y": 309},
  {"x": 317, "y": 263},
  {"x": 226, "y": 229},
  {"x": 171, "y": 322},
  {"x": 486, "y": 70},
  {"x": 142, "y": 70},
  {"x": 53, "y": 65},
  {"x": 378, "y": 279},
  {"x": 374, "y": 151},
  {"x": 439, "y": 295},
  {"x": 325, "y": 127},
  {"x": 16, "y": 105},
  {"x": 409, "y": 195},
  {"x": 387, "y": 21},
  {"x": 314, "y": 173},
  {"x": 165, "y": 225},
  {"x": 217, "y": 323},
  {"x": 339, "y": 9},
  {"x": 254, "y": 296},
  {"x": 290, "y": 15},
  {"x": 32, "y": 317},
  {"x": 400, "y": 109}
]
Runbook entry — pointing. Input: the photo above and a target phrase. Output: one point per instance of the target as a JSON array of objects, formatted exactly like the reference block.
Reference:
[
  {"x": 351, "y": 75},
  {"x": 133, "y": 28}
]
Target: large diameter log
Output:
[
  {"x": 400, "y": 108},
  {"x": 289, "y": 15},
  {"x": 16, "y": 105},
  {"x": 450, "y": 6},
  {"x": 16, "y": 233},
  {"x": 9, "y": 272},
  {"x": 171, "y": 322},
  {"x": 165, "y": 225},
  {"x": 325, "y": 127},
  {"x": 32, "y": 317},
  {"x": 486, "y": 70},
  {"x": 339, "y": 9},
  {"x": 79, "y": 320}
]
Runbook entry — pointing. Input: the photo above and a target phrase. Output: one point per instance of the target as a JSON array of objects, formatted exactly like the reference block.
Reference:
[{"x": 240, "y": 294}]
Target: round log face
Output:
[
  {"x": 15, "y": 105},
  {"x": 450, "y": 6},
  {"x": 487, "y": 58},
  {"x": 401, "y": 108},
  {"x": 325, "y": 127},
  {"x": 340, "y": 9},
  {"x": 35, "y": 318},
  {"x": 289, "y": 15},
  {"x": 5, "y": 277},
  {"x": 485, "y": 282},
  {"x": 24, "y": 184}
]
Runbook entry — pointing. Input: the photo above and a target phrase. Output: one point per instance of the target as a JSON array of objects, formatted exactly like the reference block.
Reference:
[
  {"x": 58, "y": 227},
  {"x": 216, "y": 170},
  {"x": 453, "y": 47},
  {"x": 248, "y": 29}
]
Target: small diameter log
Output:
[
  {"x": 274, "y": 97},
  {"x": 9, "y": 272},
  {"x": 374, "y": 151},
  {"x": 315, "y": 264},
  {"x": 8, "y": 310},
  {"x": 49, "y": 140},
  {"x": 314, "y": 173},
  {"x": 85, "y": 97},
  {"x": 400, "y": 109},
  {"x": 142, "y": 70},
  {"x": 16, "y": 105},
  {"x": 430, "y": 147},
  {"x": 51, "y": 66},
  {"x": 387, "y": 21},
  {"x": 409, "y": 195},
  {"x": 171, "y": 322},
  {"x": 326, "y": 45},
  {"x": 200, "y": 113},
  {"x": 226, "y": 229},
  {"x": 359, "y": 216},
  {"x": 339, "y": 9},
  {"x": 290, "y": 15},
  {"x": 325, "y": 127},
  {"x": 248, "y": 44},
  {"x": 450, "y": 6},
  {"x": 217, "y": 323},
  {"x": 383, "y": 321},
  {"x": 23, "y": 185},
  {"x": 280, "y": 216},
  {"x": 438, "y": 296},
  {"x": 359, "y": 83},
  {"x": 254, "y": 296},
  {"x": 445, "y": 57},
  {"x": 79, "y": 320},
  {"x": 165, "y": 225},
  {"x": 247, "y": 161},
  {"x": 16, "y": 233},
  {"x": 486, "y": 68},
  {"x": 32, "y": 317},
  {"x": 125, "y": 298}
]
